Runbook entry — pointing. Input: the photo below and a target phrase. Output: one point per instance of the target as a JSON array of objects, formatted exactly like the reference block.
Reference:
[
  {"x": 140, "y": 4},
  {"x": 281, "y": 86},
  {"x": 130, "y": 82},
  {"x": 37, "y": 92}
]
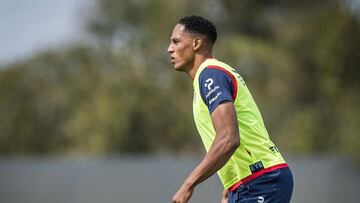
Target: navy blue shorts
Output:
[{"x": 275, "y": 186}]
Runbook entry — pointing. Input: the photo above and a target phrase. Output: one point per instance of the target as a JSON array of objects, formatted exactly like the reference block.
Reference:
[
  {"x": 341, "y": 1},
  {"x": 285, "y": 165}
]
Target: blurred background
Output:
[{"x": 91, "y": 110}]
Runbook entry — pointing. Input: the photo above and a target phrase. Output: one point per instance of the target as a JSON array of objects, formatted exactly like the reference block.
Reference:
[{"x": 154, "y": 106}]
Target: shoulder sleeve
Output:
[{"x": 216, "y": 86}]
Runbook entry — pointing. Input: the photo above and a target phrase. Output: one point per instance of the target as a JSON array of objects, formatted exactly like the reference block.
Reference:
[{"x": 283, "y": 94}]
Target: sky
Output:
[{"x": 27, "y": 27}]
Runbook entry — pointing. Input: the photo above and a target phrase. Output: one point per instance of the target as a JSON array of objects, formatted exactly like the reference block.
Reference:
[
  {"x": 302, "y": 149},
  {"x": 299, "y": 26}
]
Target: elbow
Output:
[
  {"x": 232, "y": 143},
  {"x": 235, "y": 144},
  {"x": 235, "y": 141}
]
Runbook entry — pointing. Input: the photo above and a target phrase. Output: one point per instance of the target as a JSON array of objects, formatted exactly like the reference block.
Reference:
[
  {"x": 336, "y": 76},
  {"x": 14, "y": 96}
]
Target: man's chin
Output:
[{"x": 178, "y": 68}]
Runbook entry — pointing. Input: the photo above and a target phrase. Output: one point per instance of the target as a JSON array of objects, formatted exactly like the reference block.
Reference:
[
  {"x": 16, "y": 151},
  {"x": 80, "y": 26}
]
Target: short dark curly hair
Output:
[{"x": 199, "y": 25}]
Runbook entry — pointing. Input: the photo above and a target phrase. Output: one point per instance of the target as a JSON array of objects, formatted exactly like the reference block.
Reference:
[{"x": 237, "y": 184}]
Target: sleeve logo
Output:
[
  {"x": 208, "y": 83},
  {"x": 209, "y": 95}
]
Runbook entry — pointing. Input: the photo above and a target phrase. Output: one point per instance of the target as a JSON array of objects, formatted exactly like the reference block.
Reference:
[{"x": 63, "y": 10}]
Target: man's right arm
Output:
[{"x": 225, "y": 143}]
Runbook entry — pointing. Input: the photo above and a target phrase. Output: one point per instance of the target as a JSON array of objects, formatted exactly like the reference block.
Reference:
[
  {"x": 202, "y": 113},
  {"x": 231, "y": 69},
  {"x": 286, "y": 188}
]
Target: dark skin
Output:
[{"x": 187, "y": 52}]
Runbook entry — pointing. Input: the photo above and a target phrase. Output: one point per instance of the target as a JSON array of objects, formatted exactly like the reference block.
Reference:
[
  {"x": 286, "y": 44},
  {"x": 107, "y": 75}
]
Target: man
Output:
[{"x": 249, "y": 165}]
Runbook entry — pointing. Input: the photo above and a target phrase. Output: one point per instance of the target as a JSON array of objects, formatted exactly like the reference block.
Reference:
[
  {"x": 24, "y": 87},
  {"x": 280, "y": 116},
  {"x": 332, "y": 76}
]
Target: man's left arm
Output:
[{"x": 225, "y": 143}]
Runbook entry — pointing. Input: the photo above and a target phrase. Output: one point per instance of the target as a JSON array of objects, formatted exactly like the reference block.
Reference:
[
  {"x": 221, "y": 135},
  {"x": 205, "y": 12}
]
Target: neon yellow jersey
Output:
[{"x": 256, "y": 151}]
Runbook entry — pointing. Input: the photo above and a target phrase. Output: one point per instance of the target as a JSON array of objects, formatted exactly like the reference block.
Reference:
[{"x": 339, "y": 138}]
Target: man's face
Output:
[{"x": 181, "y": 49}]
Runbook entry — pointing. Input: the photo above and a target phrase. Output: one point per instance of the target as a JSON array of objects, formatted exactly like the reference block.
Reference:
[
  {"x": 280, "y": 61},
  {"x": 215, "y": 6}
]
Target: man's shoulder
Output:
[
  {"x": 212, "y": 67},
  {"x": 216, "y": 63},
  {"x": 213, "y": 72}
]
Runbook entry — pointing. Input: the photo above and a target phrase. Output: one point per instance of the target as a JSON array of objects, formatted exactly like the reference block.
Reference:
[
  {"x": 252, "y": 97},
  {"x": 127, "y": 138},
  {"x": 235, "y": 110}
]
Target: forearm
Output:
[
  {"x": 217, "y": 156},
  {"x": 222, "y": 148}
]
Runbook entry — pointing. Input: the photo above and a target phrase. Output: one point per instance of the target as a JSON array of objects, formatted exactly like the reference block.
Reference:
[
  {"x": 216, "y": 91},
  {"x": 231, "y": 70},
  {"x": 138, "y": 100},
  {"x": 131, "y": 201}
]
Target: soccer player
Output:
[{"x": 238, "y": 147}]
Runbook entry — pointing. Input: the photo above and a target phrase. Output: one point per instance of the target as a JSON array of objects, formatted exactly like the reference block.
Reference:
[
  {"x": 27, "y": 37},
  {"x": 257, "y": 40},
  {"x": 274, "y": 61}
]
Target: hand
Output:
[
  {"x": 224, "y": 196},
  {"x": 182, "y": 195}
]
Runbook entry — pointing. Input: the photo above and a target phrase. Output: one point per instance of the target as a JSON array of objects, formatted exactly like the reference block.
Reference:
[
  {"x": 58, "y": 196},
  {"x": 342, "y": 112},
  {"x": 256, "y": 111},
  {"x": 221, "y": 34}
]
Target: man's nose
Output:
[{"x": 170, "y": 49}]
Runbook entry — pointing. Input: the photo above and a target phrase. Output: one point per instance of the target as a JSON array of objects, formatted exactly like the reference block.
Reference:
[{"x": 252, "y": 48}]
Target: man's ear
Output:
[{"x": 197, "y": 43}]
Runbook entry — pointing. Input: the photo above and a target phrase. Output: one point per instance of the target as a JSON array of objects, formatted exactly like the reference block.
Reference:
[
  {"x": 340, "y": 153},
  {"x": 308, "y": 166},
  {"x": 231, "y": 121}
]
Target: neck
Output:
[{"x": 199, "y": 59}]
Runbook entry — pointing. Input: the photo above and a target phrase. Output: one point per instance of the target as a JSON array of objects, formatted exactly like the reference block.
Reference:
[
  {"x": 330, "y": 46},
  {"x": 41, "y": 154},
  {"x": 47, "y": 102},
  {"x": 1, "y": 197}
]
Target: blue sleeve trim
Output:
[{"x": 215, "y": 87}]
